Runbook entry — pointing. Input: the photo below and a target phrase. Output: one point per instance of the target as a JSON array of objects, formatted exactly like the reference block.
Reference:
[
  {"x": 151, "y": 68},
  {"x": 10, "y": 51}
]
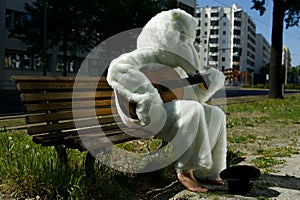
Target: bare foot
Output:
[
  {"x": 216, "y": 181},
  {"x": 189, "y": 181}
]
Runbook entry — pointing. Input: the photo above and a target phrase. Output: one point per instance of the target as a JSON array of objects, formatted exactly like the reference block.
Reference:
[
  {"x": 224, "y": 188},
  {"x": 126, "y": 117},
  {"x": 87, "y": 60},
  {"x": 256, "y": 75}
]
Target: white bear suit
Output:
[{"x": 167, "y": 39}]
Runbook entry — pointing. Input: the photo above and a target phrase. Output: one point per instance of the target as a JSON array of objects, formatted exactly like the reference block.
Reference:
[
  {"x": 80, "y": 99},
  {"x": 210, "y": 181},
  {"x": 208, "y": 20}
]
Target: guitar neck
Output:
[{"x": 191, "y": 80}]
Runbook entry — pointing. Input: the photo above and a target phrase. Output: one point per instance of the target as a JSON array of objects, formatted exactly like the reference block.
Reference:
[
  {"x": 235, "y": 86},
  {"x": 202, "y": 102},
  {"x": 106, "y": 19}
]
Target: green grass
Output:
[
  {"x": 266, "y": 129},
  {"x": 247, "y": 138},
  {"x": 287, "y": 109},
  {"x": 29, "y": 170}
]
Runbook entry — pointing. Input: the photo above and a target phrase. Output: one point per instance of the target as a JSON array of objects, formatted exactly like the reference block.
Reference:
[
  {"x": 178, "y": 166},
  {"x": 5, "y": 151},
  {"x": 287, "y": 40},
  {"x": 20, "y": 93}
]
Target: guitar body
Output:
[
  {"x": 168, "y": 83},
  {"x": 159, "y": 79}
]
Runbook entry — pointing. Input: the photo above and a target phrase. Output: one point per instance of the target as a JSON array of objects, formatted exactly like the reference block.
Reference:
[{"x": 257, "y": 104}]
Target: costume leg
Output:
[
  {"x": 186, "y": 130},
  {"x": 216, "y": 123}
]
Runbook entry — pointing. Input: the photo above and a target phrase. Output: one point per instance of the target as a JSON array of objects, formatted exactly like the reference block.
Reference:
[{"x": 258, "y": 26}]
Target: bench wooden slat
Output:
[
  {"x": 49, "y": 105},
  {"x": 37, "y": 118},
  {"x": 17, "y": 79},
  {"x": 69, "y": 125},
  {"x": 93, "y": 133},
  {"x": 65, "y": 85},
  {"x": 75, "y": 143},
  {"x": 37, "y": 107},
  {"x": 55, "y": 96}
]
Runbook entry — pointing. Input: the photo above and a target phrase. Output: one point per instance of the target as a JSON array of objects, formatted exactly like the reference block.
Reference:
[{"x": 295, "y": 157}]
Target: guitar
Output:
[{"x": 169, "y": 85}]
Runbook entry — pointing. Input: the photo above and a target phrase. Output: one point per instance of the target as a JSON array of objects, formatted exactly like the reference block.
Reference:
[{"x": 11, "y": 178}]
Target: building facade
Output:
[
  {"x": 226, "y": 37},
  {"x": 15, "y": 58},
  {"x": 262, "y": 51}
]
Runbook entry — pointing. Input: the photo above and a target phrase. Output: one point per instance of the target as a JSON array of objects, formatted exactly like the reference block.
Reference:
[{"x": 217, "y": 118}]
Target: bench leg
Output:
[
  {"x": 90, "y": 165},
  {"x": 62, "y": 156}
]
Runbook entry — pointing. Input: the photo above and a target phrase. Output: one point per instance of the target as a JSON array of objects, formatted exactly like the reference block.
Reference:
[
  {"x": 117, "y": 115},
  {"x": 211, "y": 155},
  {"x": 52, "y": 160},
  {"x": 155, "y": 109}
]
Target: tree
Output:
[
  {"x": 122, "y": 15},
  {"x": 77, "y": 26},
  {"x": 287, "y": 11},
  {"x": 294, "y": 75},
  {"x": 69, "y": 26},
  {"x": 263, "y": 72}
]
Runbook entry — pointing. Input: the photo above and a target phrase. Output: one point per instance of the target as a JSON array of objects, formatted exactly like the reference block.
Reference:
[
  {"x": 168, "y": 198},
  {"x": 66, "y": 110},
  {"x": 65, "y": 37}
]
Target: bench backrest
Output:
[{"x": 49, "y": 111}]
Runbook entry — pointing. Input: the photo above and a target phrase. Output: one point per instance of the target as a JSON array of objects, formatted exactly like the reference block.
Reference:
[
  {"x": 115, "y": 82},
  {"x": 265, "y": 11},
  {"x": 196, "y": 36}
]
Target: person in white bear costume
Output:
[{"x": 167, "y": 40}]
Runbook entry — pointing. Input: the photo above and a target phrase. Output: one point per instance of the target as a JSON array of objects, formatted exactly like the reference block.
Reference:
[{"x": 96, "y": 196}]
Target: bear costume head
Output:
[
  {"x": 172, "y": 33},
  {"x": 166, "y": 40}
]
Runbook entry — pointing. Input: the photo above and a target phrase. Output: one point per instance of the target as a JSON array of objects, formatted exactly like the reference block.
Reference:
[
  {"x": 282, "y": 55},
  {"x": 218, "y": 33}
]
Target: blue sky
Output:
[{"x": 291, "y": 36}]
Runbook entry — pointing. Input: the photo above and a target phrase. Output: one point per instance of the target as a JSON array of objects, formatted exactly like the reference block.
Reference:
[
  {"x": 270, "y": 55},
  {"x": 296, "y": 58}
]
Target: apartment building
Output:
[
  {"x": 262, "y": 51},
  {"x": 226, "y": 37}
]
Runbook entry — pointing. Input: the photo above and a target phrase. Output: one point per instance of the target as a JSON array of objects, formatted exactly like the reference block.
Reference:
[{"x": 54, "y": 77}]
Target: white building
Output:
[
  {"x": 227, "y": 38},
  {"x": 262, "y": 51}
]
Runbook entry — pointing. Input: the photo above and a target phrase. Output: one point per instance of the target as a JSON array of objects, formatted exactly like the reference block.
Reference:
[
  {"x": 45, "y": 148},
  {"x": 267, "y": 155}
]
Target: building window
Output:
[
  {"x": 224, "y": 24},
  {"x": 9, "y": 19},
  {"x": 214, "y": 23},
  {"x": 72, "y": 63},
  {"x": 224, "y": 32},
  {"x": 236, "y": 41},
  {"x": 213, "y": 49},
  {"x": 14, "y": 19},
  {"x": 214, "y": 58},
  {"x": 236, "y": 32},
  {"x": 214, "y": 14},
  {"x": 214, "y": 32},
  {"x": 14, "y": 59},
  {"x": 237, "y": 14},
  {"x": 237, "y": 23},
  {"x": 214, "y": 40},
  {"x": 205, "y": 24},
  {"x": 206, "y": 16},
  {"x": 235, "y": 58},
  {"x": 223, "y": 59}
]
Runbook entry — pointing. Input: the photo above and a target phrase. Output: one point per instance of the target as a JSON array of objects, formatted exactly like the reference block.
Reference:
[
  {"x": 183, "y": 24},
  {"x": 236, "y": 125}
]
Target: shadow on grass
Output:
[{"x": 261, "y": 188}]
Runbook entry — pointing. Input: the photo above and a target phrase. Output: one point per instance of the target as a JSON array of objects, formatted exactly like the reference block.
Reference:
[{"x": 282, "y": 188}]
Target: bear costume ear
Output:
[{"x": 176, "y": 14}]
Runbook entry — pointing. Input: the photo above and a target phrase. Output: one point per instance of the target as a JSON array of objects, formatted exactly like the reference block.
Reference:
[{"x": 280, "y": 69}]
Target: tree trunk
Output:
[{"x": 276, "y": 81}]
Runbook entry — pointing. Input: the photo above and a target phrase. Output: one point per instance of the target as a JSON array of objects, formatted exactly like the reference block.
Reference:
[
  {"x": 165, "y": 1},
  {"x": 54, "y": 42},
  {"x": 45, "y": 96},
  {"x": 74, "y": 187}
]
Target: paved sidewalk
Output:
[{"x": 282, "y": 185}]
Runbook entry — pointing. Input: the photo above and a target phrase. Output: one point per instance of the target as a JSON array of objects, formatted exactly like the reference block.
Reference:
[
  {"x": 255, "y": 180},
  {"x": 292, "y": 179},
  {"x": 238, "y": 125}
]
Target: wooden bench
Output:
[{"x": 48, "y": 107}]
